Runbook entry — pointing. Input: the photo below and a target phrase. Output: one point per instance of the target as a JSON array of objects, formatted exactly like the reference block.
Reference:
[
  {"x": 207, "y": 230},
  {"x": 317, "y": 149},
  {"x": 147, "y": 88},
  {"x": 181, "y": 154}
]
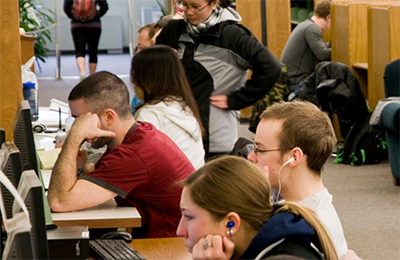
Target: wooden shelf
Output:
[{"x": 360, "y": 65}]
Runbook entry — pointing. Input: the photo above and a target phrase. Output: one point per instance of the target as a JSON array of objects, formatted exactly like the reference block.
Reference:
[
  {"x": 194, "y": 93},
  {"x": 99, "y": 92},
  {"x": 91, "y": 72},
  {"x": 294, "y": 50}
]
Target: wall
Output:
[{"x": 115, "y": 31}]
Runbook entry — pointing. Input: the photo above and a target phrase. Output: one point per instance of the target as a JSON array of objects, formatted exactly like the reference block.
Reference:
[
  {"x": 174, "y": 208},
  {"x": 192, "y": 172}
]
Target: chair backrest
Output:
[
  {"x": 392, "y": 79},
  {"x": 302, "y": 15}
]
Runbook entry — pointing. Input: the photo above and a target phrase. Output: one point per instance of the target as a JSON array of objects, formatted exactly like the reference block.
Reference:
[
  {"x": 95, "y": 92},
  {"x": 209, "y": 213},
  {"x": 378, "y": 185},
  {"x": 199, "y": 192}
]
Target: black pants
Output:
[{"x": 89, "y": 36}]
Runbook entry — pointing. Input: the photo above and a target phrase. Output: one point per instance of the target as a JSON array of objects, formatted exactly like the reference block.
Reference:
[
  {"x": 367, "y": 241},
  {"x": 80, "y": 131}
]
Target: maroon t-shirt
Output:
[{"x": 144, "y": 171}]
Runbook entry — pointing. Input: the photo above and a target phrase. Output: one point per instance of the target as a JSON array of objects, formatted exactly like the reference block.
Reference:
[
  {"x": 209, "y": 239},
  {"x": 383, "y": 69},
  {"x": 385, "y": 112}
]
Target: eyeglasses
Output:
[
  {"x": 256, "y": 150},
  {"x": 185, "y": 7}
]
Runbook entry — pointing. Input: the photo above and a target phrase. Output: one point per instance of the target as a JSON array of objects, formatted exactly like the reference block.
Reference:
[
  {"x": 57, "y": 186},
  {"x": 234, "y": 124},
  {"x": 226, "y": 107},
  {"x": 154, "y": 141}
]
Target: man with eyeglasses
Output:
[
  {"x": 292, "y": 143},
  {"x": 140, "y": 167},
  {"x": 217, "y": 53}
]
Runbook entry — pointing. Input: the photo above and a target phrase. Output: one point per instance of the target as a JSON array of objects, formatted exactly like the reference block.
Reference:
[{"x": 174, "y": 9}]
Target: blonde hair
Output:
[{"x": 233, "y": 184}]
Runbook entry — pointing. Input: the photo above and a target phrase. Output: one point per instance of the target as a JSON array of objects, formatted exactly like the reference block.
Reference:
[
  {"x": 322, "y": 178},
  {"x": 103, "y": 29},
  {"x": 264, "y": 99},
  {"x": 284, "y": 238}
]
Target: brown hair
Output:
[
  {"x": 323, "y": 9},
  {"x": 233, "y": 184},
  {"x": 103, "y": 90},
  {"x": 158, "y": 71},
  {"x": 304, "y": 126},
  {"x": 151, "y": 27}
]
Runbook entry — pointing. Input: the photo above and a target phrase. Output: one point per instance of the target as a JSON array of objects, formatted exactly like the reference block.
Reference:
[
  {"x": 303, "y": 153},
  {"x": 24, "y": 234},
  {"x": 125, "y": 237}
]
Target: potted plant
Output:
[{"x": 36, "y": 20}]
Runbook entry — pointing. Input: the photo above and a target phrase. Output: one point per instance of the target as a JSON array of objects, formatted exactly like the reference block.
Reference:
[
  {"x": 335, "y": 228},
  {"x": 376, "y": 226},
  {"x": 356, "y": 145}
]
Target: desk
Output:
[
  {"x": 106, "y": 215},
  {"x": 49, "y": 118},
  {"x": 162, "y": 248}
]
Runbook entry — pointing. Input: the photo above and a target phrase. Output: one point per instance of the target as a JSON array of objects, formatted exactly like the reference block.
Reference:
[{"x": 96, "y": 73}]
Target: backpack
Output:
[
  {"x": 363, "y": 145},
  {"x": 277, "y": 93},
  {"x": 84, "y": 10}
]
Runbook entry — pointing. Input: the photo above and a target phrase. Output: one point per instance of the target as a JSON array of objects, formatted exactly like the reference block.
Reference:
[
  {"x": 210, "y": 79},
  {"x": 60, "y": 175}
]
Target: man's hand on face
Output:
[{"x": 88, "y": 127}]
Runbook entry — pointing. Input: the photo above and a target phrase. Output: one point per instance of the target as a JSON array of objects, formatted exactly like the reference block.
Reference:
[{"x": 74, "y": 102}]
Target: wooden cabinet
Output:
[{"x": 27, "y": 49}]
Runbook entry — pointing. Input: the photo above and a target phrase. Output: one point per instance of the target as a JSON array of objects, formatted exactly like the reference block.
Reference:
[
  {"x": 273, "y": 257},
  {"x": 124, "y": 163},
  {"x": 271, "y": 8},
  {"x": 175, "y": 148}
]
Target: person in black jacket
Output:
[
  {"x": 217, "y": 53},
  {"x": 85, "y": 30},
  {"x": 227, "y": 214}
]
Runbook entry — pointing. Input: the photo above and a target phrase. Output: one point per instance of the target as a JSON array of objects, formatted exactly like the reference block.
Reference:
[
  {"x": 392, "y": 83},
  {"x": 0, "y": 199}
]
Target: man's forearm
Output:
[{"x": 64, "y": 174}]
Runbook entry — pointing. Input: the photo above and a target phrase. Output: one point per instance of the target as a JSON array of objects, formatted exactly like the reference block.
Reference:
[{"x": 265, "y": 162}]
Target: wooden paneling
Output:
[
  {"x": 27, "y": 49},
  {"x": 10, "y": 65},
  {"x": 384, "y": 45},
  {"x": 278, "y": 25},
  {"x": 251, "y": 15}
]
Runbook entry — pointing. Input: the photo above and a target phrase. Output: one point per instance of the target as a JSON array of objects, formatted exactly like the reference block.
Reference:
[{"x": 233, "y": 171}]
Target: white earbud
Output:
[{"x": 291, "y": 159}]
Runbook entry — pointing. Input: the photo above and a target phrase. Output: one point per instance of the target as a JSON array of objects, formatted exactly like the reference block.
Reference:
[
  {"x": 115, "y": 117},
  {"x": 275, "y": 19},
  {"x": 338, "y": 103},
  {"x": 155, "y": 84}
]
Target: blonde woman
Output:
[{"x": 227, "y": 213}]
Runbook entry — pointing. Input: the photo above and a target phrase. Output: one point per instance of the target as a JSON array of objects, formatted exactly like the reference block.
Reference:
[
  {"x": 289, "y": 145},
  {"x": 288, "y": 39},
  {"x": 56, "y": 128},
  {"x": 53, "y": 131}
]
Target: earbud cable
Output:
[{"x": 279, "y": 182}]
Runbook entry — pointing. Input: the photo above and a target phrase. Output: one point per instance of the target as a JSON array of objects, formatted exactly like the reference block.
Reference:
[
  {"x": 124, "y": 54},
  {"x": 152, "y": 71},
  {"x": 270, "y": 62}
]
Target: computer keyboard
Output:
[{"x": 114, "y": 249}]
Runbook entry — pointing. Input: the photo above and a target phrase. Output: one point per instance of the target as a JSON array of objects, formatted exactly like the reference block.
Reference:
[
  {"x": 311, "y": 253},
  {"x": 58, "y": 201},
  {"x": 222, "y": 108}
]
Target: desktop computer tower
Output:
[{"x": 68, "y": 242}]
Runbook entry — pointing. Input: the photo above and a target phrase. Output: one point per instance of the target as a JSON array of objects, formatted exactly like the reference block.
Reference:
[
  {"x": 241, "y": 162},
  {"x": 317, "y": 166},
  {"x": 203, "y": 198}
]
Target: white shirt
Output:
[
  {"x": 179, "y": 125},
  {"x": 321, "y": 204}
]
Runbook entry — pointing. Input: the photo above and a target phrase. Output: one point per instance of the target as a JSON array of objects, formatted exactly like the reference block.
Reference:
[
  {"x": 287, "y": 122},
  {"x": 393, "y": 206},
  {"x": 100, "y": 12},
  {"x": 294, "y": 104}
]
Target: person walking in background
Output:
[
  {"x": 159, "y": 80},
  {"x": 86, "y": 30},
  {"x": 217, "y": 53},
  {"x": 227, "y": 213},
  {"x": 305, "y": 46}
]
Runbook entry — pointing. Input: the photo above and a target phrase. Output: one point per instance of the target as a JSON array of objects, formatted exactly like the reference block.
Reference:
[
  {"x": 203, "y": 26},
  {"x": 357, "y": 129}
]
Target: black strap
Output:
[{"x": 130, "y": 130}]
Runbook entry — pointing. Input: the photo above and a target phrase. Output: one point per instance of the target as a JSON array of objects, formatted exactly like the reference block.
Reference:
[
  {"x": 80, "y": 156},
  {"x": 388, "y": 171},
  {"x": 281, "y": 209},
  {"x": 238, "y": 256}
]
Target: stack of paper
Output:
[{"x": 48, "y": 158}]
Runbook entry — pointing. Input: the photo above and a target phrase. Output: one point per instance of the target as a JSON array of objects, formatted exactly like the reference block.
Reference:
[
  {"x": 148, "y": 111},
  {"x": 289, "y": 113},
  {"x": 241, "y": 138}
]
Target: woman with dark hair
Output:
[
  {"x": 169, "y": 105},
  {"x": 217, "y": 52},
  {"x": 227, "y": 214}
]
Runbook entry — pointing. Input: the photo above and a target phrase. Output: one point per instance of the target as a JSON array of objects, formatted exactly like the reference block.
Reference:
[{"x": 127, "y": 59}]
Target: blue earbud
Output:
[{"x": 230, "y": 224}]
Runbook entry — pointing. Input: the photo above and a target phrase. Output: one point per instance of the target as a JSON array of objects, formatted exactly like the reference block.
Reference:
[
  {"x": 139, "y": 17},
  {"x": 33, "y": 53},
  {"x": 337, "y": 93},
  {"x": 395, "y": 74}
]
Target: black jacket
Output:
[
  {"x": 216, "y": 62},
  {"x": 335, "y": 89},
  {"x": 296, "y": 232}
]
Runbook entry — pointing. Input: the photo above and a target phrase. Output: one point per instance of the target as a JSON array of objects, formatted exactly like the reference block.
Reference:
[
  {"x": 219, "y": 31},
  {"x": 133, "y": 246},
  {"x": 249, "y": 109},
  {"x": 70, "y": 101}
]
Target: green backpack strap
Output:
[{"x": 339, "y": 155}]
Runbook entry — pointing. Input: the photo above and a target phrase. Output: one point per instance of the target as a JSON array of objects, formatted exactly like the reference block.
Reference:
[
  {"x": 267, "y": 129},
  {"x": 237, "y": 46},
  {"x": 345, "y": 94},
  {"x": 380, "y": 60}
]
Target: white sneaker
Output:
[{"x": 82, "y": 75}]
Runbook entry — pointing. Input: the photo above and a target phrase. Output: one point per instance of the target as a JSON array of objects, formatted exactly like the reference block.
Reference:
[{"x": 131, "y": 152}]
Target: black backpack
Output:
[{"x": 363, "y": 145}]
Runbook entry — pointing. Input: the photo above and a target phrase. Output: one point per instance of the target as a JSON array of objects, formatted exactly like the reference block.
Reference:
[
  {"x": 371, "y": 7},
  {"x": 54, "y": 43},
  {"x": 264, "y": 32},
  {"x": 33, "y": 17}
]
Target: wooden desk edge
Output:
[
  {"x": 101, "y": 223},
  {"x": 360, "y": 65},
  {"x": 162, "y": 248}
]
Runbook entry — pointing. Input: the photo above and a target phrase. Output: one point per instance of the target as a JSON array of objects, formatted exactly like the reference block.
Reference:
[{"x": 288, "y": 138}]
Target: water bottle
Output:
[{"x": 30, "y": 94}]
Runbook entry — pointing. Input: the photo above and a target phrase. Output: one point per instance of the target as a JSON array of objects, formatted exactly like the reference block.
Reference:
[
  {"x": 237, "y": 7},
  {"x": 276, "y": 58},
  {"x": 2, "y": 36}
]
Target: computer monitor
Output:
[
  {"x": 10, "y": 164},
  {"x": 24, "y": 140},
  {"x": 2, "y": 136},
  {"x": 23, "y": 137},
  {"x": 31, "y": 191},
  {"x": 18, "y": 244}
]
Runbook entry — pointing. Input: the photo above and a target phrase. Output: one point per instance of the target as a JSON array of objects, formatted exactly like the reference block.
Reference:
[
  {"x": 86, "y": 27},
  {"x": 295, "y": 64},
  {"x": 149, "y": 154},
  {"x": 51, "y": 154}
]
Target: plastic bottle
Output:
[{"x": 30, "y": 94}]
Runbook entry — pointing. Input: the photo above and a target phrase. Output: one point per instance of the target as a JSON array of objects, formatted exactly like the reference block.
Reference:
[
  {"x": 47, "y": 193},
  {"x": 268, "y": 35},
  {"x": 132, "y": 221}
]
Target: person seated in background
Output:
[
  {"x": 294, "y": 140},
  {"x": 145, "y": 36},
  {"x": 140, "y": 167},
  {"x": 160, "y": 81},
  {"x": 227, "y": 213},
  {"x": 305, "y": 46}
]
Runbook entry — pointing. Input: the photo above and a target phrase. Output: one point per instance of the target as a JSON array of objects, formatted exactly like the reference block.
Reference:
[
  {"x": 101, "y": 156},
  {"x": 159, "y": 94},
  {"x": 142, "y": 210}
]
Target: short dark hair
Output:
[
  {"x": 158, "y": 71},
  {"x": 323, "y": 9},
  {"x": 103, "y": 90}
]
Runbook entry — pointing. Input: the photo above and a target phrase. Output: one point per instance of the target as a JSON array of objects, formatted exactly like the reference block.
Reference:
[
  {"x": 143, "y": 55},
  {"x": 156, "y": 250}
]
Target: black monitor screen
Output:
[
  {"x": 23, "y": 137},
  {"x": 11, "y": 166},
  {"x": 31, "y": 192},
  {"x": 2, "y": 136}
]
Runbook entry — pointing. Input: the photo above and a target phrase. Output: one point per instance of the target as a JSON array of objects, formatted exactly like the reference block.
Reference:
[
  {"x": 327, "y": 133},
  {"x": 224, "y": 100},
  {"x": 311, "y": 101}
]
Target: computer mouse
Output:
[{"x": 118, "y": 235}]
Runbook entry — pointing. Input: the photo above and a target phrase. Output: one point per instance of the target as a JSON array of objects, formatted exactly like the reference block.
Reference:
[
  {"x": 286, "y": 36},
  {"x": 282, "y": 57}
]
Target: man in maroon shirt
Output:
[{"x": 141, "y": 166}]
